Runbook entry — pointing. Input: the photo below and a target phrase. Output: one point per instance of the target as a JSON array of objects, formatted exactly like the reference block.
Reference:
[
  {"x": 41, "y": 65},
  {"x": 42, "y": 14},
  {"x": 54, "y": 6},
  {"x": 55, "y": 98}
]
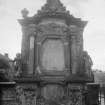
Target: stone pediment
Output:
[{"x": 52, "y": 9}]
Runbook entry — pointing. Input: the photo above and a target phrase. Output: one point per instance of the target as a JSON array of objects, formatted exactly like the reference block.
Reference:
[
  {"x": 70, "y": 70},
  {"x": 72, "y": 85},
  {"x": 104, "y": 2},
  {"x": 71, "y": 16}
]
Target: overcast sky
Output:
[{"x": 91, "y": 10}]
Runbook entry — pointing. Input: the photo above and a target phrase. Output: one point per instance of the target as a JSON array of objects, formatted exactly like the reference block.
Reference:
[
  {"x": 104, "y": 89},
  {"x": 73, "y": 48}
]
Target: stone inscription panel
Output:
[{"x": 53, "y": 55}]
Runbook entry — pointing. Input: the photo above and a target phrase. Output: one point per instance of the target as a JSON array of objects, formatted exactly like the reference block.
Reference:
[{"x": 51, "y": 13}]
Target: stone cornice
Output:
[{"x": 70, "y": 20}]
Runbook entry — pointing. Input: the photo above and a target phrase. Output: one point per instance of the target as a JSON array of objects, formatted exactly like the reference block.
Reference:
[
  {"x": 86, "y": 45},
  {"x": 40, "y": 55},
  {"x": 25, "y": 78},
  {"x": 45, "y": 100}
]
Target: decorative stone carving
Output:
[
  {"x": 32, "y": 29},
  {"x": 31, "y": 55},
  {"x": 87, "y": 63},
  {"x": 24, "y": 13},
  {"x": 18, "y": 65},
  {"x": 30, "y": 97},
  {"x": 59, "y": 95},
  {"x": 50, "y": 35},
  {"x": 52, "y": 28},
  {"x": 26, "y": 94},
  {"x": 76, "y": 47},
  {"x": 8, "y": 96},
  {"x": 74, "y": 94},
  {"x": 24, "y": 49},
  {"x": 55, "y": 35},
  {"x": 74, "y": 61},
  {"x": 41, "y": 101},
  {"x": 51, "y": 95},
  {"x": 53, "y": 92},
  {"x": 73, "y": 29},
  {"x": 53, "y": 6},
  {"x": 52, "y": 46},
  {"x": 20, "y": 96},
  {"x": 8, "y": 103}
]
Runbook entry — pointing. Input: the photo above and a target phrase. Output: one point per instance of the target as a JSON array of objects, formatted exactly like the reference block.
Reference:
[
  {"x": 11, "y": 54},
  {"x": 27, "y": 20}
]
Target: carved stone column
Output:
[
  {"x": 25, "y": 44},
  {"x": 79, "y": 44},
  {"x": 31, "y": 55},
  {"x": 73, "y": 54},
  {"x": 25, "y": 50},
  {"x": 32, "y": 31}
]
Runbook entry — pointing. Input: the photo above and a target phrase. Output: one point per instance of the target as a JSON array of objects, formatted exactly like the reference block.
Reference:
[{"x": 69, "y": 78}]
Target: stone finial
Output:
[
  {"x": 53, "y": 3},
  {"x": 24, "y": 13}
]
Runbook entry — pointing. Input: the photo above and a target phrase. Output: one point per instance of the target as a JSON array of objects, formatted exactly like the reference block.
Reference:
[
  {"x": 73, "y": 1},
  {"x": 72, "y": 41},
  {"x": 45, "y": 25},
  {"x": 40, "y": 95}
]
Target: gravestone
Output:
[{"x": 54, "y": 67}]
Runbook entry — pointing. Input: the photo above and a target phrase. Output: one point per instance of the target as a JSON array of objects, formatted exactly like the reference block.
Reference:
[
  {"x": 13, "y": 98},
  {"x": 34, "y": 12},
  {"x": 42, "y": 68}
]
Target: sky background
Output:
[{"x": 91, "y": 10}]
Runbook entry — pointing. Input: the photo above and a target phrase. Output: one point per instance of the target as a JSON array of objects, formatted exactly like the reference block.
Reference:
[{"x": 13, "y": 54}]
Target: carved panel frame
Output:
[{"x": 66, "y": 43}]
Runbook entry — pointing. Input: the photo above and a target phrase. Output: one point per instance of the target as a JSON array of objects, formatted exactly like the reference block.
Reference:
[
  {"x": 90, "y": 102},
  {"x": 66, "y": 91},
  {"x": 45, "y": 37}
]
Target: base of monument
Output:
[{"x": 41, "y": 94}]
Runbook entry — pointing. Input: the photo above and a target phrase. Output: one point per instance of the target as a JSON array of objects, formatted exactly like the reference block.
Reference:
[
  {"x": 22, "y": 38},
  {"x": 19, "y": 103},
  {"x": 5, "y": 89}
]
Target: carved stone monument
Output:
[{"x": 54, "y": 66}]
